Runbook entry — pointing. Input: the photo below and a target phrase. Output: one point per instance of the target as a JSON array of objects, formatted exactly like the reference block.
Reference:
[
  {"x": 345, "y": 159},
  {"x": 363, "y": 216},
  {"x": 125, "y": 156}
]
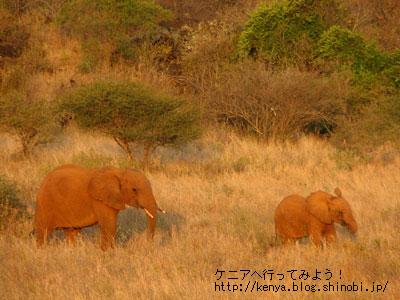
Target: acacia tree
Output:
[
  {"x": 29, "y": 119},
  {"x": 132, "y": 113}
]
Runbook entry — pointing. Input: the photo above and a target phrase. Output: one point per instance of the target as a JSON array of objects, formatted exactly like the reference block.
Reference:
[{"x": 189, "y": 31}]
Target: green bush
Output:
[
  {"x": 342, "y": 44},
  {"x": 131, "y": 113},
  {"x": 348, "y": 49},
  {"x": 123, "y": 24},
  {"x": 10, "y": 204},
  {"x": 29, "y": 119},
  {"x": 286, "y": 32},
  {"x": 304, "y": 32}
]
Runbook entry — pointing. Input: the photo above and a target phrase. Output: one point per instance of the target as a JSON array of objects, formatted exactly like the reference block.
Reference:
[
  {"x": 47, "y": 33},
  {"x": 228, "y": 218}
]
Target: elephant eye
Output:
[{"x": 134, "y": 189}]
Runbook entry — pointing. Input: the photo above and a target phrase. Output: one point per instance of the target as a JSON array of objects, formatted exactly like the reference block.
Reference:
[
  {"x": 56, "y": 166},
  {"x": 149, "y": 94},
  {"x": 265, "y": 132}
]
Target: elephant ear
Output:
[
  {"x": 105, "y": 186},
  {"x": 317, "y": 204}
]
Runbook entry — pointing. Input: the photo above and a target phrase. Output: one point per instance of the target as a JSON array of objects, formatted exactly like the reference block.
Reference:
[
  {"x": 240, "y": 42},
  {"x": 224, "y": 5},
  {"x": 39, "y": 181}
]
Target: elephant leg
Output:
[
  {"x": 107, "y": 219},
  {"x": 71, "y": 234},
  {"x": 316, "y": 238},
  {"x": 330, "y": 234},
  {"x": 40, "y": 236},
  {"x": 42, "y": 233},
  {"x": 108, "y": 229},
  {"x": 316, "y": 232}
]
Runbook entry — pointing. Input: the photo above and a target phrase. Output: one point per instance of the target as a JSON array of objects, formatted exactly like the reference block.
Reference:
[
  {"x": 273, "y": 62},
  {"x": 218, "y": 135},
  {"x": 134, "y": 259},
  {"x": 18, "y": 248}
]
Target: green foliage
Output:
[
  {"x": 10, "y": 204},
  {"x": 367, "y": 62},
  {"x": 392, "y": 70},
  {"x": 342, "y": 44},
  {"x": 287, "y": 31},
  {"x": 132, "y": 113},
  {"x": 121, "y": 24},
  {"x": 30, "y": 120},
  {"x": 299, "y": 32},
  {"x": 90, "y": 57}
]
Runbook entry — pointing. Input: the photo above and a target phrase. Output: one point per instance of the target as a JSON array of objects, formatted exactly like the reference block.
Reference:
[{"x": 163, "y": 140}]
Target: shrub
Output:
[
  {"x": 15, "y": 6},
  {"x": 122, "y": 24},
  {"x": 131, "y": 113},
  {"x": 342, "y": 44},
  {"x": 375, "y": 123},
  {"x": 21, "y": 53},
  {"x": 13, "y": 37},
  {"x": 348, "y": 49},
  {"x": 277, "y": 104},
  {"x": 286, "y": 32},
  {"x": 10, "y": 204},
  {"x": 30, "y": 120}
]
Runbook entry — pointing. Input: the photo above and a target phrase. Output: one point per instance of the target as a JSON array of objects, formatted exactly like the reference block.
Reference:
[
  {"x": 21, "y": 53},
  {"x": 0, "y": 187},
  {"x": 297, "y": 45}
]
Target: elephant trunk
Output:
[
  {"x": 151, "y": 221},
  {"x": 151, "y": 212},
  {"x": 350, "y": 223}
]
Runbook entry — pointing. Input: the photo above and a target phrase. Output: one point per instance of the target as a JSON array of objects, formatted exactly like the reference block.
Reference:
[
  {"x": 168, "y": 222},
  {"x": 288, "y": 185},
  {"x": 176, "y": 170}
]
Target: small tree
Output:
[
  {"x": 30, "y": 120},
  {"x": 10, "y": 204},
  {"x": 132, "y": 113}
]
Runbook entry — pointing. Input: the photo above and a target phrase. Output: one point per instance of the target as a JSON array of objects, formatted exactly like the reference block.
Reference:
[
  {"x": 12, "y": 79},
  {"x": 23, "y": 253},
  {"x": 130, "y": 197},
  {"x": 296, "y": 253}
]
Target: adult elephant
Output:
[
  {"x": 72, "y": 197},
  {"x": 297, "y": 217}
]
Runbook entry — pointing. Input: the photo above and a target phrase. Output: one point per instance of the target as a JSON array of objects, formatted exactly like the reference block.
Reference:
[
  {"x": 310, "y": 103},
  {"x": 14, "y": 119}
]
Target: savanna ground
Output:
[{"x": 219, "y": 193}]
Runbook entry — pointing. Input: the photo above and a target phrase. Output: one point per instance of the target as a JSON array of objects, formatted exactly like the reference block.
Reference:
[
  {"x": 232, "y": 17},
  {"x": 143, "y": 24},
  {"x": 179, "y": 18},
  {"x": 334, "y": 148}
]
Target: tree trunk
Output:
[
  {"x": 125, "y": 146},
  {"x": 26, "y": 137},
  {"x": 148, "y": 150}
]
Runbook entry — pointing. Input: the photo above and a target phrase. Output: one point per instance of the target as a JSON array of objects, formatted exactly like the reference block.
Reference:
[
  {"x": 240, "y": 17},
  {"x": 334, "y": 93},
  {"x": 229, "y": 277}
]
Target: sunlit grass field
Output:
[{"x": 220, "y": 194}]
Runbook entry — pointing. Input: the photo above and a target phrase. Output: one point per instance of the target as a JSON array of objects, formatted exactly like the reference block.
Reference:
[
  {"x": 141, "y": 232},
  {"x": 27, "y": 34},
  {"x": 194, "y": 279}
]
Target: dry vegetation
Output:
[
  {"x": 220, "y": 191},
  {"x": 220, "y": 194}
]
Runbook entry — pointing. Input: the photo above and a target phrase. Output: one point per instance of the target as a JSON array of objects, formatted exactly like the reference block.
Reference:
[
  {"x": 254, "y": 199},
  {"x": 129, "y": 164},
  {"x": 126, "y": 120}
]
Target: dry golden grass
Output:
[{"x": 220, "y": 195}]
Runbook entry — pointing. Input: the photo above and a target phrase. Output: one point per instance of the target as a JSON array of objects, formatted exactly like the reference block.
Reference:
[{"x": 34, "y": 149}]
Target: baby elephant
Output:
[{"x": 297, "y": 217}]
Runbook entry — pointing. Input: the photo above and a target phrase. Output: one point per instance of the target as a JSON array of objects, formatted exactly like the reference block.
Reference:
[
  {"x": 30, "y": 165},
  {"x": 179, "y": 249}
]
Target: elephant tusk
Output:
[
  {"x": 149, "y": 214},
  {"x": 163, "y": 211}
]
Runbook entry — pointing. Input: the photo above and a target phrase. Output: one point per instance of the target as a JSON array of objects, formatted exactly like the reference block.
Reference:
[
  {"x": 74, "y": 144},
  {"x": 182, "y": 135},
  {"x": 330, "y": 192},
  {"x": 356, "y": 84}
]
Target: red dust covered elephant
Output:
[
  {"x": 297, "y": 217},
  {"x": 71, "y": 198}
]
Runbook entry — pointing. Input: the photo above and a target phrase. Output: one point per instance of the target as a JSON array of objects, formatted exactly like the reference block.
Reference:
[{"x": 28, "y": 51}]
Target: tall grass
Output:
[{"x": 220, "y": 194}]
